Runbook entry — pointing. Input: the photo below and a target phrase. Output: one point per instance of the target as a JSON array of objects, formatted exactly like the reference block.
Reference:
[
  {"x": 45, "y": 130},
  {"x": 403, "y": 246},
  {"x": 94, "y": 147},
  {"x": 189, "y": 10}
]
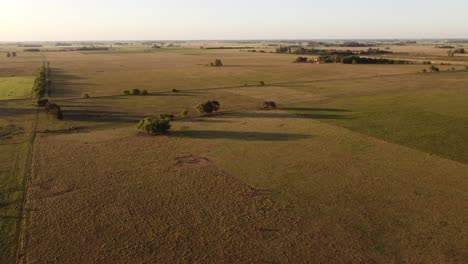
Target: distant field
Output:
[
  {"x": 365, "y": 163},
  {"x": 16, "y": 87}
]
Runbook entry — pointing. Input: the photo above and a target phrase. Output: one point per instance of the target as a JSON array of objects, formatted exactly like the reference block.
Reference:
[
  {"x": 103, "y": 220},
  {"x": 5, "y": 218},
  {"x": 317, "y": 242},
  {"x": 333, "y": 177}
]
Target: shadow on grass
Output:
[
  {"x": 268, "y": 114},
  {"x": 233, "y": 135}
]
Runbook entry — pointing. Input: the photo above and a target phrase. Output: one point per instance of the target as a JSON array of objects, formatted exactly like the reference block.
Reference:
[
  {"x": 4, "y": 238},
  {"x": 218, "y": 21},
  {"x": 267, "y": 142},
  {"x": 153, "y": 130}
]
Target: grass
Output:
[
  {"x": 424, "y": 113},
  {"x": 15, "y": 87},
  {"x": 349, "y": 153},
  {"x": 15, "y": 147}
]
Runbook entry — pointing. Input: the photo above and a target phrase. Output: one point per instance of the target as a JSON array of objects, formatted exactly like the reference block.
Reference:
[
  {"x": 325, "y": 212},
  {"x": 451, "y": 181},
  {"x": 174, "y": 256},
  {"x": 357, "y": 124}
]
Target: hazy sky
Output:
[{"x": 22, "y": 20}]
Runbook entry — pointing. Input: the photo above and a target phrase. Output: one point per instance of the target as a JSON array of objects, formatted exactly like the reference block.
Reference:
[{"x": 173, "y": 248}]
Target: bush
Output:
[
  {"x": 144, "y": 92},
  {"x": 433, "y": 68},
  {"x": 184, "y": 114},
  {"x": 262, "y": 83},
  {"x": 135, "y": 92},
  {"x": 126, "y": 92},
  {"x": 424, "y": 70},
  {"x": 155, "y": 125},
  {"x": 269, "y": 105},
  {"x": 217, "y": 63},
  {"x": 175, "y": 91},
  {"x": 466, "y": 68},
  {"x": 209, "y": 107},
  {"x": 54, "y": 110},
  {"x": 86, "y": 95},
  {"x": 164, "y": 116},
  {"x": 300, "y": 60},
  {"x": 42, "y": 102}
]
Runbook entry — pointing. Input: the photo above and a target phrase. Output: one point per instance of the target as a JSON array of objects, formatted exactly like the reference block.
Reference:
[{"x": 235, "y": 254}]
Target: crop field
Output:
[{"x": 357, "y": 164}]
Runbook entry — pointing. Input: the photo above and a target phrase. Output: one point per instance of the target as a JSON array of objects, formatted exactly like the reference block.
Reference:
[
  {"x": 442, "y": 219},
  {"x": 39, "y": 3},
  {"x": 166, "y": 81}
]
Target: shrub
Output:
[
  {"x": 433, "y": 68},
  {"x": 86, "y": 95},
  {"x": 424, "y": 70},
  {"x": 144, "y": 92},
  {"x": 209, "y": 107},
  {"x": 13, "y": 54},
  {"x": 217, "y": 63},
  {"x": 175, "y": 90},
  {"x": 42, "y": 102},
  {"x": 164, "y": 116},
  {"x": 155, "y": 125},
  {"x": 262, "y": 83},
  {"x": 453, "y": 68},
  {"x": 126, "y": 92},
  {"x": 269, "y": 105},
  {"x": 135, "y": 92},
  {"x": 300, "y": 60},
  {"x": 8, "y": 54},
  {"x": 184, "y": 114},
  {"x": 54, "y": 110},
  {"x": 466, "y": 68}
]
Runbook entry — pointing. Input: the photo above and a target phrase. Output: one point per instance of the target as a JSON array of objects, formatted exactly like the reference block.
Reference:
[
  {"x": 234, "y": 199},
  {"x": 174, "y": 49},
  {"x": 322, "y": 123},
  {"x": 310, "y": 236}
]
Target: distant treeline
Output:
[
  {"x": 359, "y": 60},
  {"x": 84, "y": 48},
  {"x": 228, "y": 47},
  {"x": 29, "y": 46},
  {"x": 313, "y": 51},
  {"x": 63, "y": 44},
  {"x": 444, "y": 47},
  {"x": 32, "y": 50}
]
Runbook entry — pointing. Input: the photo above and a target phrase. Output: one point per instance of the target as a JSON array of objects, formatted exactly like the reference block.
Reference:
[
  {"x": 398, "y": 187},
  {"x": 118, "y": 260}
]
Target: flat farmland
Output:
[{"x": 358, "y": 164}]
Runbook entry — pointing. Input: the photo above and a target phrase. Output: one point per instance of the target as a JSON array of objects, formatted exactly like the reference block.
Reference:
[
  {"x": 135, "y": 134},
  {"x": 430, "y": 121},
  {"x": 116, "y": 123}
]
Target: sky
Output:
[{"x": 54, "y": 20}]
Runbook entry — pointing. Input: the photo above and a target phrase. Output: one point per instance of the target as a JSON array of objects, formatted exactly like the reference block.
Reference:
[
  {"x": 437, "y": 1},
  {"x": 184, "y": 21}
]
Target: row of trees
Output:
[
  {"x": 358, "y": 60},
  {"x": 40, "y": 83}
]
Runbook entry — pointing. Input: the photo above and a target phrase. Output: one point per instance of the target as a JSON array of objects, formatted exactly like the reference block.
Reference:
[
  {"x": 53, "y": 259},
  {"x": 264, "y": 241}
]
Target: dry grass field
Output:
[{"x": 359, "y": 163}]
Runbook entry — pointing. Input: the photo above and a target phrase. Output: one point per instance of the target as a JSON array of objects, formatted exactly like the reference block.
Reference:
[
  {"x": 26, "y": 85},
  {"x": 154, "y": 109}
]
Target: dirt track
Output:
[{"x": 105, "y": 210}]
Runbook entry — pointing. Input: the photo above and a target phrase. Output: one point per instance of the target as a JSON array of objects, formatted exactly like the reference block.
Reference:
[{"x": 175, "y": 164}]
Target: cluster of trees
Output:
[
  {"x": 32, "y": 50},
  {"x": 217, "y": 63},
  {"x": 155, "y": 125},
  {"x": 135, "y": 92},
  {"x": 301, "y": 60},
  {"x": 209, "y": 107},
  {"x": 160, "y": 124},
  {"x": 283, "y": 49},
  {"x": 358, "y": 60},
  {"x": 377, "y": 51},
  {"x": 452, "y": 53},
  {"x": 444, "y": 47},
  {"x": 85, "y": 48},
  {"x": 355, "y": 44},
  {"x": 10, "y": 54}
]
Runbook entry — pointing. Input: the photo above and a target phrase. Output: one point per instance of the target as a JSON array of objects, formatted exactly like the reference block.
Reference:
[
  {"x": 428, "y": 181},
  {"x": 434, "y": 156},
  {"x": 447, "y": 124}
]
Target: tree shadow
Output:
[
  {"x": 269, "y": 114},
  {"x": 234, "y": 135}
]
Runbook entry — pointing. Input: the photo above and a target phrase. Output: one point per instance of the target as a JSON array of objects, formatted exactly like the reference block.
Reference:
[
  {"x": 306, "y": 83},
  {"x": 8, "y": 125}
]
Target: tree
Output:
[
  {"x": 217, "y": 63},
  {"x": 54, "y": 110},
  {"x": 451, "y": 53},
  {"x": 13, "y": 54},
  {"x": 126, "y": 92},
  {"x": 144, "y": 92},
  {"x": 300, "y": 60},
  {"x": 8, "y": 54},
  {"x": 262, "y": 83},
  {"x": 433, "y": 68},
  {"x": 155, "y": 125},
  {"x": 86, "y": 95},
  {"x": 269, "y": 105},
  {"x": 135, "y": 92},
  {"x": 209, "y": 107}
]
